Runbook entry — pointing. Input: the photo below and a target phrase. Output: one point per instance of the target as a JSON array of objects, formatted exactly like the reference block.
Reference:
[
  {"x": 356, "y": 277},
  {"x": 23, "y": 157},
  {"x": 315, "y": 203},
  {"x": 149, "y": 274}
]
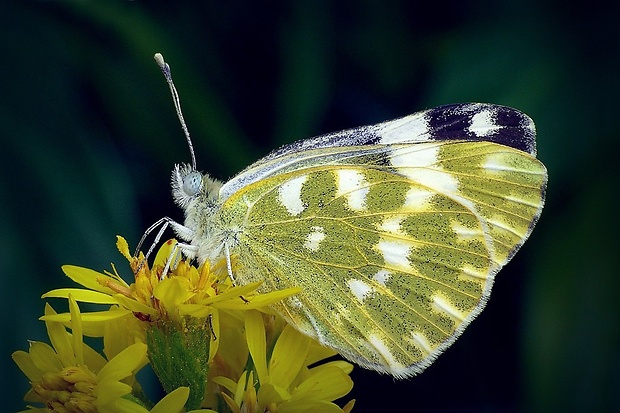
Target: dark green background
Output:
[{"x": 89, "y": 137}]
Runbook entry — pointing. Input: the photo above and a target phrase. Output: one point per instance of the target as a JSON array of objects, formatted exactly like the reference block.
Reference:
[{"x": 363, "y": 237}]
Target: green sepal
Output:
[{"x": 179, "y": 356}]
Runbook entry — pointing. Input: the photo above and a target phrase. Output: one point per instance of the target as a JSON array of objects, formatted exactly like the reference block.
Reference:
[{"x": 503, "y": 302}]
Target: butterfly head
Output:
[{"x": 190, "y": 186}]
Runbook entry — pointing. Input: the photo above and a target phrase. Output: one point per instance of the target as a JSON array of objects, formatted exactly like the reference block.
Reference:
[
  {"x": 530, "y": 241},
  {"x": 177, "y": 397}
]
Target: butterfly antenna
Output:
[{"x": 165, "y": 69}]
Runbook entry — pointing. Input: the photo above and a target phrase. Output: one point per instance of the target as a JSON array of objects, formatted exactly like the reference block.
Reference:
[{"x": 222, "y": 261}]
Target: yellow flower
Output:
[
  {"x": 176, "y": 313},
  {"x": 285, "y": 383},
  {"x": 69, "y": 376},
  {"x": 153, "y": 297}
]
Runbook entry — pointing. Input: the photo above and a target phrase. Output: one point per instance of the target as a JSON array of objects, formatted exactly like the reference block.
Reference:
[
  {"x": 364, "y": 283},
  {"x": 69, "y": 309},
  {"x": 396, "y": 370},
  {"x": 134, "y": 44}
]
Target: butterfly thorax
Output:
[{"x": 198, "y": 195}]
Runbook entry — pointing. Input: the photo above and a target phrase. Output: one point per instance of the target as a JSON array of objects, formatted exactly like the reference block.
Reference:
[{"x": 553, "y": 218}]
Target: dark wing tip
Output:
[{"x": 483, "y": 122}]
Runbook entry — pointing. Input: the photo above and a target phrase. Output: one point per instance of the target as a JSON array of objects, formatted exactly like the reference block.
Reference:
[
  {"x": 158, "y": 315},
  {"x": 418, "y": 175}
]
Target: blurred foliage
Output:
[{"x": 89, "y": 137}]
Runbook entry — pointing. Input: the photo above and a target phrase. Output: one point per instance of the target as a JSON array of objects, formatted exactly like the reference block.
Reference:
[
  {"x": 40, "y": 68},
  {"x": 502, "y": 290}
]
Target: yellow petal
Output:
[
  {"x": 164, "y": 254},
  {"x": 108, "y": 390},
  {"x": 318, "y": 352},
  {"x": 308, "y": 406},
  {"x": 122, "y": 405},
  {"x": 85, "y": 296},
  {"x": 133, "y": 305},
  {"x": 44, "y": 357},
  {"x": 257, "y": 301},
  {"x": 249, "y": 398},
  {"x": 125, "y": 363},
  {"x": 234, "y": 408},
  {"x": 60, "y": 339},
  {"x": 341, "y": 364},
  {"x": 95, "y": 316},
  {"x": 288, "y": 356},
  {"x": 268, "y": 394},
  {"x": 255, "y": 336},
  {"x": 327, "y": 384},
  {"x": 173, "y": 402},
  {"x": 233, "y": 346},
  {"x": 173, "y": 291},
  {"x": 76, "y": 329},
  {"x": 232, "y": 293},
  {"x": 214, "y": 344},
  {"x": 195, "y": 310},
  {"x": 120, "y": 333},
  {"x": 349, "y": 406},
  {"x": 93, "y": 325},
  {"x": 88, "y": 278},
  {"x": 123, "y": 248},
  {"x": 93, "y": 359},
  {"x": 225, "y": 382},
  {"x": 240, "y": 389},
  {"x": 26, "y": 365}
]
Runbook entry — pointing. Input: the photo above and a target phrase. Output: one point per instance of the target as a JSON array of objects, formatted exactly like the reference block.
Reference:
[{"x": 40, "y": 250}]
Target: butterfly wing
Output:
[
  {"x": 394, "y": 245},
  {"x": 463, "y": 121}
]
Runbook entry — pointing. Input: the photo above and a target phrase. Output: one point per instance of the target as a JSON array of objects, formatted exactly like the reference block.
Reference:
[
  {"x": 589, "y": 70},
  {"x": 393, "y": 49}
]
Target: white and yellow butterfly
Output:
[{"x": 394, "y": 231}]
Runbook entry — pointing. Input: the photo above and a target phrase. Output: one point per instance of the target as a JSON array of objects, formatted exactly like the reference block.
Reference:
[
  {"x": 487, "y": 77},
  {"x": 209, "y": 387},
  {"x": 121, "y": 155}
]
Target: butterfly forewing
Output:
[
  {"x": 464, "y": 121},
  {"x": 394, "y": 246}
]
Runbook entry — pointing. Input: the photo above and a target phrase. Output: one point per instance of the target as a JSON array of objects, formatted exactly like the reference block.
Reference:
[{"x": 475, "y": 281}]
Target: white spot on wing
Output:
[
  {"x": 353, "y": 186},
  {"x": 417, "y": 199},
  {"x": 382, "y": 276},
  {"x": 391, "y": 224},
  {"x": 377, "y": 342},
  {"x": 464, "y": 233},
  {"x": 423, "y": 166},
  {"x": 533, "y": 204},
  {"x": 443, "y": 305},
  {"x": 495, "y": 162},
  {"x": 413, "y": 128},
  {"x": 289, "y": 195},
  {"x": 421, "y": 342},
  {"x": 502, "y": 162},
  {"x": 471, "y": 273},
  {"x": 360, "y": 289},
  {"x": 395, "y": 253},
  {"x": 313, "y": 240},
  {"x": 483, "y": 124},
  {"x": 419, "y": 156}
]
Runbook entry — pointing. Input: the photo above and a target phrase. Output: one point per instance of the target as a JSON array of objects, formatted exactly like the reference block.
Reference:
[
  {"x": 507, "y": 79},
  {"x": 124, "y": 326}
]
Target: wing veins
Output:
[
  {"x": 321, "y": 267},
  {"x": 394, "y": 269}
]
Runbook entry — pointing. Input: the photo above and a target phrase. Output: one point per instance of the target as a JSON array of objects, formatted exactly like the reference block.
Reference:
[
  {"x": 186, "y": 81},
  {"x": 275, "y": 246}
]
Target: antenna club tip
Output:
[{"x": 159, "y": 59}]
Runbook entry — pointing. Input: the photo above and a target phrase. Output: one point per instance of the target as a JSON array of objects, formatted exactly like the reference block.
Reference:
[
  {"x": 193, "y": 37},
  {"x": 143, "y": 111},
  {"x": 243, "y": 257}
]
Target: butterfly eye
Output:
[{"x": 192, "y": 182}]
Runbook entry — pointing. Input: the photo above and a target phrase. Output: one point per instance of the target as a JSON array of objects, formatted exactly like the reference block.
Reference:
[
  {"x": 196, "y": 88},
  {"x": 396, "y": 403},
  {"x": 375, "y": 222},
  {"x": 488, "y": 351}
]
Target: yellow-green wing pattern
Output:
[{"x": 395, "y": 247}]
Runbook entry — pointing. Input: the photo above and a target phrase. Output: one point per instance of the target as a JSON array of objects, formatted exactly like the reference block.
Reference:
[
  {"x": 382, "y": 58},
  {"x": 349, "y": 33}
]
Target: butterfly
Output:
[{"x": 393, "y": 231}]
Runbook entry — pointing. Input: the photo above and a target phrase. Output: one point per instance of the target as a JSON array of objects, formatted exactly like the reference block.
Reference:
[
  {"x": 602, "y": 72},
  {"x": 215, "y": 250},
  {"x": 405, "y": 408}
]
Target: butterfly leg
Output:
[
  {"x": 186, "y": 249},
  {"x": 228, "y": 264},
  {"x": 182, "y": 231}
]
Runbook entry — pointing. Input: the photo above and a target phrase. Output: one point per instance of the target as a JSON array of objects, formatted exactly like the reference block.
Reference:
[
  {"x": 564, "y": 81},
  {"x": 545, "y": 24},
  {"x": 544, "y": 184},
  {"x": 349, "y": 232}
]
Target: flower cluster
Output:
[{"x": 214, "y": 346}]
